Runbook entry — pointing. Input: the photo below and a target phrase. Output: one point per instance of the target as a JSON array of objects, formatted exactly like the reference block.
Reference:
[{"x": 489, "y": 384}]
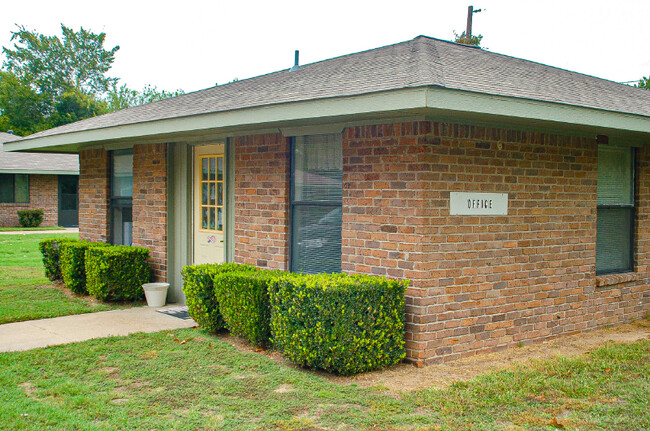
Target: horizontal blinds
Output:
[
  {"x": 318, "y": 169},
  {"x": 615, "y": 176},
  {"x": 615, "y": 223},
  {"x": 317, "y": 193},
  {"x": 614, "y": 237},
  {"x": 316, "y": 239}
]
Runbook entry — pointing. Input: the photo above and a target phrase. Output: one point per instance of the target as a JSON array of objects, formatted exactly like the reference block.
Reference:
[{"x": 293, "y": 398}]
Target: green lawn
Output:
[
  {"x": 25, "y": 293},
  {"x": 13, "y": 229},
  {"x": 188, "y": 379}
]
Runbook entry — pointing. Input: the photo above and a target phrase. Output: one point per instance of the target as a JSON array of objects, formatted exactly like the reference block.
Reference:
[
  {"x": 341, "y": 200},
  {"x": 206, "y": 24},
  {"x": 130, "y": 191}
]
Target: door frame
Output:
[{"x": 58, "y": 201}]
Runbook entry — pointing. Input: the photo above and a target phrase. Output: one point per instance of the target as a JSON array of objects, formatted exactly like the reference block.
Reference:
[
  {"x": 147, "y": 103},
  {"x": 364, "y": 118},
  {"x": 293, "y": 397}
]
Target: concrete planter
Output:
[{"x": 156, "y": 293}]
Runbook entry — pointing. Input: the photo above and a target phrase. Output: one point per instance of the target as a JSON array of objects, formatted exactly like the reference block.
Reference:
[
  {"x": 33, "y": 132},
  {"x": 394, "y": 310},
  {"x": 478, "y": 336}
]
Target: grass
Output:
[
  {"x": 188, "y": 379},
  {"x": 25, "y": 293},
  {"x": 14, "y": 229}
]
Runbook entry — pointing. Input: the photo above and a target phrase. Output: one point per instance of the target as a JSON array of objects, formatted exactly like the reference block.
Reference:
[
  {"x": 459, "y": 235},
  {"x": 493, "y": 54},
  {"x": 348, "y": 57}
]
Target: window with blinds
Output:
[
  {"x": 615, "y": 224},
  {"x": 122, "y": 197},
  {"x": 316, "y": 196}
]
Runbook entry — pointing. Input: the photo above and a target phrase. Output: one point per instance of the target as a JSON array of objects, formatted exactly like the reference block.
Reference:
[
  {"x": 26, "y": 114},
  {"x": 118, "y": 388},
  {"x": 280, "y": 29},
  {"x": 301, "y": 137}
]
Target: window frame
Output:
[
  {"x": 117, "y": 203},
  {"x": 293, "y": 203},
  {"x": 216, "y": 183},
  {"x": 633, "y": 210},
  {"x": 13, "y": 189}
]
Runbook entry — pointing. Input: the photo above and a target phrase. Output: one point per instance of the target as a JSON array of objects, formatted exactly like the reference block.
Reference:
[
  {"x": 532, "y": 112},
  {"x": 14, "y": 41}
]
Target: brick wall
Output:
[
  {"x": 43, "y": 194},
  {"x": 150, "y": 204},
  {"x": 262, "y": 200},
  {"x": 485, "y": 283},
  {"x": 94, "y": 193}
]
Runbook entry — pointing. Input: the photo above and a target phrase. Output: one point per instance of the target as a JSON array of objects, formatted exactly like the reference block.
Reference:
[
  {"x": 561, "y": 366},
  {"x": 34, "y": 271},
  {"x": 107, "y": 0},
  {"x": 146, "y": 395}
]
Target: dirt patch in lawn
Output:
[
  {"x": 406, "y": 377},
  {"x": 59, "y": 285}
]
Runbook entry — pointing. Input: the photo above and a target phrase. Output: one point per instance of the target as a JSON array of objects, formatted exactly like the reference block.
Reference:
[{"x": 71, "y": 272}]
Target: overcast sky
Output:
[{"x": 192, "y": 45}]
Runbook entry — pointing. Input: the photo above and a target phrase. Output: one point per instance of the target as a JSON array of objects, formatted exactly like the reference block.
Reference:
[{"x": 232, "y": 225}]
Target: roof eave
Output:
[
  {"x": 39, "y": 171},
  {"x": 419, "y": 99}
]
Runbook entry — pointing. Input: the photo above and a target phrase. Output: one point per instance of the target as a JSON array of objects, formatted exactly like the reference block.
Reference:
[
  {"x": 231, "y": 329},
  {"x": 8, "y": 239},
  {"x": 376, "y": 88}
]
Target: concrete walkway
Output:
[
  {"x": 27, "y": 232},
  {"x": 80, "y": 327}
]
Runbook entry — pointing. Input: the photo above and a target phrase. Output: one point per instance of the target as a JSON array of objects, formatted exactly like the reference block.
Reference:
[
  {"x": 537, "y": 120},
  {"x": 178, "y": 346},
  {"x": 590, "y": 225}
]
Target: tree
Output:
[
  {"x": 644, "y": 83},
  {"x": 79, "y": 61},
  {"x": 48, "y": 82},
  {"x": 465, "y": 40},
  {"x": 123, "y": 97},
  {"x": 22, "y": 109}
]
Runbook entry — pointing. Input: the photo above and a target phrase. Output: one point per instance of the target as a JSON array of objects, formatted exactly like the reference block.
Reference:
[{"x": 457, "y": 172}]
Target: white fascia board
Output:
[
  {"x": 463, "y": 101},
  {"x": 37, "y": 172},
  {"x": 412, "y": 98},
  {"x": 366, "y": 105}
]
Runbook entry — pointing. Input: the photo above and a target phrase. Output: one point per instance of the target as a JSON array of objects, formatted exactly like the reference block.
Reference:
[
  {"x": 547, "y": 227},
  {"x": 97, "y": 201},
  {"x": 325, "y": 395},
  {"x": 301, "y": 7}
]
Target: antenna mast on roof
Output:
[{"x": 470, "y": 13}]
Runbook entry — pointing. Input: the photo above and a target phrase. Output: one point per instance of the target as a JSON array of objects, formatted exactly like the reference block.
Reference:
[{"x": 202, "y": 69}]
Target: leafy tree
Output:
[
  {"x": 644, "y": 83},
  {"x": 75, "y": 105},
  {"x": 22, "y": 109},
  {"x": 48, "y": 82},
  {"x": 78, "y": 61},
  {"x": 123, "y": 97},
  {"x": 465, "y": 40}
]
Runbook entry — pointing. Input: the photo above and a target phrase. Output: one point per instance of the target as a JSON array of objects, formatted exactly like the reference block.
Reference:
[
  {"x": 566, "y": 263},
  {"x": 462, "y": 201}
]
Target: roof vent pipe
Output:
[{"x": 296, "y": 65}]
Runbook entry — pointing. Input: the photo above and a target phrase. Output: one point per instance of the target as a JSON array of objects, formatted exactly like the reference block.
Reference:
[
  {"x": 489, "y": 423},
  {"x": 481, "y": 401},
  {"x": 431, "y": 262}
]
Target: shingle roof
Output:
[
  {"x": 35, "y": 162},
  {"x": 420, "y": 62}
]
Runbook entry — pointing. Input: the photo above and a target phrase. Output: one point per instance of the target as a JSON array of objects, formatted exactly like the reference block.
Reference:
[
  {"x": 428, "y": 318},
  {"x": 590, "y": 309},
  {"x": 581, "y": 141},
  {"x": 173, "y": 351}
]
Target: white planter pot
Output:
[{"x": 156, "y": 293}]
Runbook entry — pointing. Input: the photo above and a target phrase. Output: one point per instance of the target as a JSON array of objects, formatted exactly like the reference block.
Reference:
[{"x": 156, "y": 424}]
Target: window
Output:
[
  {"x": 212, "y": 193},
  {"x": 122, "y": 197},
  {"x": 615, "y": 224},
  {"x": 14, "y": 188},
  {"x": 316, "y": 196}
]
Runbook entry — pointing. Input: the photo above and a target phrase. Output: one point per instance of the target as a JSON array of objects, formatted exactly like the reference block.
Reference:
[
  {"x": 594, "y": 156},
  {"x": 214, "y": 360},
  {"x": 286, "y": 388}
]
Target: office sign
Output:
[{"x": 461, "y": 203}]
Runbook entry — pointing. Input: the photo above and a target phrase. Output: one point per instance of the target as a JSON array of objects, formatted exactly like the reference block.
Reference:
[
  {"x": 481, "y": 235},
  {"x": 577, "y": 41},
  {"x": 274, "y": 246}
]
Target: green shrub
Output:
[
  {"x": 199, "y": 292},
  {"x": 344, "y": 324},
  {"x": 51, "y": 260},
  {"x": 243, "y": 299},
  {"x": 73, "y": 263},
  {"x": 30, "y": 218},
  {"x": 117, "y": 273}
]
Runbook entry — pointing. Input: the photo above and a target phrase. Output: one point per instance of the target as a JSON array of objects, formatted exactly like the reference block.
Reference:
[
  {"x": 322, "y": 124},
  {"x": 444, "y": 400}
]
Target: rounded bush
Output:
[
  {"x": 30, "y": 218},
  {"x": 198, "y": 287},
  {"x": 117, "y": 272},
  {"x": 49, "y": 248},
  {"x": 73, "y": 263},
  {"x": 243, "y": 298},
  {"x": 344, "y": 324}
]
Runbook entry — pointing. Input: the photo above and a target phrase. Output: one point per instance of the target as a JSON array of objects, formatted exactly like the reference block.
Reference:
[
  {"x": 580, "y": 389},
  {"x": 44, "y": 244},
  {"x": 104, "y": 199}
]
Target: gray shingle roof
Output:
[
  {"x": 35, "y": 162},
  {"x": 420, "y": 62}
]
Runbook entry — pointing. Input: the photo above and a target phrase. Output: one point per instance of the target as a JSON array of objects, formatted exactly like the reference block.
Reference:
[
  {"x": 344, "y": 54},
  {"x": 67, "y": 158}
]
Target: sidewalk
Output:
[
  {"x": 80, "y": 327},
  {"x": 53, "y": 231}
]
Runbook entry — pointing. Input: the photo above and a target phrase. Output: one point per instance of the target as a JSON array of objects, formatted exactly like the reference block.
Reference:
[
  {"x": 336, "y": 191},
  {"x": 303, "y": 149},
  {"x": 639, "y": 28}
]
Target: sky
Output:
[{"x": 192, "y": 45}]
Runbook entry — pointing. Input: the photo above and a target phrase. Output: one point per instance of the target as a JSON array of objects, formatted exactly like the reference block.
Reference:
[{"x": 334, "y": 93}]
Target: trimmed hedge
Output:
[
  {"x": 30, "y": 218},
  {"x": 49, "y": 248},
  {"x": 198, "y": 287},
  {"x": 344, "y": 324},
  {"x": 117, "y": 273},
  {"x": 73, "y": 263},
  {"x": 243, "y": 298}
]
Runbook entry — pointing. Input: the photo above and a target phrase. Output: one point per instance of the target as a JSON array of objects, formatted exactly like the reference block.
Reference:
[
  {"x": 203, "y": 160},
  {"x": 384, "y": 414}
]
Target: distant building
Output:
[{"x": 38, "y": 181}]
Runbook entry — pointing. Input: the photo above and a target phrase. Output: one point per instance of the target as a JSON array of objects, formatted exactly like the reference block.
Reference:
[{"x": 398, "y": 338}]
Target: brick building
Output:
[
  {"x": 513, "y": 195},
  {"x": 38, "y": 181}
]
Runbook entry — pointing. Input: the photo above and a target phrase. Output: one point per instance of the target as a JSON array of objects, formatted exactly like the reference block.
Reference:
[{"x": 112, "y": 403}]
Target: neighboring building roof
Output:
[
  {"x": 421, "y": 62},
  {"x": 35, "y": 163}
]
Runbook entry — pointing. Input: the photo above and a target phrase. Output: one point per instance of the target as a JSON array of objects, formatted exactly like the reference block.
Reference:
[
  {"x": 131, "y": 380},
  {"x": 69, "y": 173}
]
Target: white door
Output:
[{"x": 209, "y": 204}]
